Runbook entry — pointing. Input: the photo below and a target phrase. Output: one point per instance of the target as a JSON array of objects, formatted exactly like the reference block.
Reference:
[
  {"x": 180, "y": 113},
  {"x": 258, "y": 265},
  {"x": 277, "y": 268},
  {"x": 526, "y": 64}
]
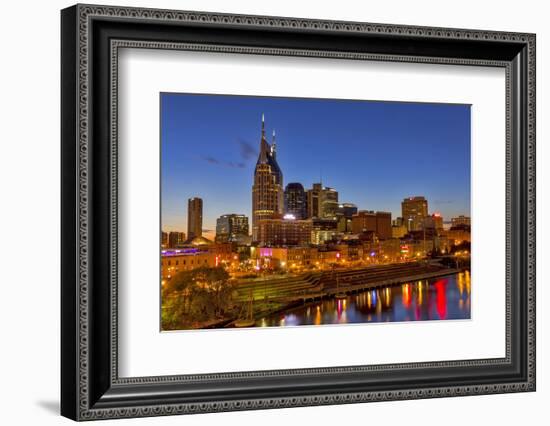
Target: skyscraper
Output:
[
  {"x": 314, "y": 201},
  {"x": 267, "y": 190},
  {"x": 329, "y": 202},
  {"x": 322, "y": 201},
  {"x": 194, "y": 218},
  {"x": 413, "y": 211},
  {"x": 296, "y": 200}
]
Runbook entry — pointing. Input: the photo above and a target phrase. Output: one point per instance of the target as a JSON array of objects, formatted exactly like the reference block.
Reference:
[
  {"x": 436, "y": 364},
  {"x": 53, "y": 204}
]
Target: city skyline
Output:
[{"x": 363, "y": 149}]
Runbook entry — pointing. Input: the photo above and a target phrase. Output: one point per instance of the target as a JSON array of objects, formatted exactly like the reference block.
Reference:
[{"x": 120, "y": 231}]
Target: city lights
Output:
[{"x": 304, "y": 255}]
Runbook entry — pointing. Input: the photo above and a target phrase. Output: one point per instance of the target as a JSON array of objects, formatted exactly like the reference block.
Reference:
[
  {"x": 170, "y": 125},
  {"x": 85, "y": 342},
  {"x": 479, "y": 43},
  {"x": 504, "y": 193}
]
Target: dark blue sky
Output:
[{"x": 373, "y": 153}]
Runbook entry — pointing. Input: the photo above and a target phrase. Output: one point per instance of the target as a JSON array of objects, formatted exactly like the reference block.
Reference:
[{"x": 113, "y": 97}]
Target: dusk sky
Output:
[{"x": 373, "y": 153}]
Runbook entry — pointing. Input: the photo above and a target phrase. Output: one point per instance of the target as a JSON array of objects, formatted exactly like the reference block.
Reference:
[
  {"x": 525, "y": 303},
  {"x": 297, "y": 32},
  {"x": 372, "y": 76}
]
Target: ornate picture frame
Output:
[{"x": 91, "y": 37}]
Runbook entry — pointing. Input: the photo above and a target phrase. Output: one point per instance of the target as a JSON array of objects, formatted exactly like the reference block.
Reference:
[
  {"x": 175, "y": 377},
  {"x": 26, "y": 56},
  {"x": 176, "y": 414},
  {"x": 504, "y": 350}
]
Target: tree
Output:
[{"x": 194, "y": 297}]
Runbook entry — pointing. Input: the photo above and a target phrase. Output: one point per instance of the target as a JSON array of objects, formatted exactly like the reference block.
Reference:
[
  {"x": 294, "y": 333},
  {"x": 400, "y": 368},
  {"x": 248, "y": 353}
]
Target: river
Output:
[{"x": 433, "y": 299}]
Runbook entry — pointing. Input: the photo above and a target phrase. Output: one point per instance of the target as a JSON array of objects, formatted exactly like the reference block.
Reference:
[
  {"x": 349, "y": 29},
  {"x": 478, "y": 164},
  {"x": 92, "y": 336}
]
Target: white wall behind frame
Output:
[{"x": 145, "y": 352}]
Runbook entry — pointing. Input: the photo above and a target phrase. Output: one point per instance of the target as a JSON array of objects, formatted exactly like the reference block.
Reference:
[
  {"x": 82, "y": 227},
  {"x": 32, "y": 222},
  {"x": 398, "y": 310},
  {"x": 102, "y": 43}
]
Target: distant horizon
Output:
[{"x": 375, "y": 154}]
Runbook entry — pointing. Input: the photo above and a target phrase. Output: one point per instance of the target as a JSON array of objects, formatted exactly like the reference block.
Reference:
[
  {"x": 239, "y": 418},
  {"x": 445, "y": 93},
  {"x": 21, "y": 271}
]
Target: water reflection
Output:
[{"x": 434, "y": 299}]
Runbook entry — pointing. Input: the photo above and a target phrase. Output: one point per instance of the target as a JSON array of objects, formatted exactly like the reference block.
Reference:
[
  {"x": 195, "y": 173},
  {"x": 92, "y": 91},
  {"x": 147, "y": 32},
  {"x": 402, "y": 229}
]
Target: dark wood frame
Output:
[{"x": 90, "y": 386}]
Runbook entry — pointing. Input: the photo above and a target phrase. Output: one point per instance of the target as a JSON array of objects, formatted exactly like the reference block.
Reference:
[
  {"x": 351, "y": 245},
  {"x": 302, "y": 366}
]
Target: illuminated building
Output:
[
  {"x": 413, "y": 211},
  {"x": 195, "y": 253},
  {"x": 232, "y": 228},
  {"x": 194, "y": 217},
  {"x": 351, "y": 252},
  {"x": 164, "y": 239},
  {"x": 344, "y": 215},
  {"x": 460, "y": 220},
  {"x": 176, "y": 239},
  {"x": 296, "y": 257},
  {"x": 442, "y": 243},
  {"x": 329, "y": 202},
  {"x": 328, "y": 257},
  {"x": 458, "y": 234},
  {"x": 398, "y": 231},
  {"x": 393, "y": 250},
  {"x": 186, "y": 259},
  {"x": 398, "y": 221},
  {"x": 296, "y": 200},
  {"x": 435, "y": 221},
  {"x": 303, "y": 256},
  {"x": 347, "y": 209},
  {"x": 368, "y": 220},
  {"x": 286, "y": 257},
  {"x": 383, "y": 225},
  {"x": 267, "y": 190},
  {"x": 322, "y": 202},
  {"x": 284, "y": 232},
  {"x": 323, "y": 230},
  {"x": 363, "y": 221},
  {"x": 222, "y": 251},
  {"x": 314, "y": 201}
]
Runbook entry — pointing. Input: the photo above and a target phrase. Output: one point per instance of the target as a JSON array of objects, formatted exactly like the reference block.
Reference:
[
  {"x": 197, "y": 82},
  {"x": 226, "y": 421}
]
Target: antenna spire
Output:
[{"x": 263, "y": 144}]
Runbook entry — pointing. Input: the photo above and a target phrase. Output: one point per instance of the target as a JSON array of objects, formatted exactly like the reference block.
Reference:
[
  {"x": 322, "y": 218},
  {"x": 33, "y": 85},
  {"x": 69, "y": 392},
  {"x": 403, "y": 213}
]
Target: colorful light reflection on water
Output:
[{"x": 434, "y": 299}]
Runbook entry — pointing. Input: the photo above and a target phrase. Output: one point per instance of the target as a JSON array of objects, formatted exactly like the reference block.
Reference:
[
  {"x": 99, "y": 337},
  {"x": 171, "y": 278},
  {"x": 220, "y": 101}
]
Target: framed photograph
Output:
[{"x": 263, "y": 212}]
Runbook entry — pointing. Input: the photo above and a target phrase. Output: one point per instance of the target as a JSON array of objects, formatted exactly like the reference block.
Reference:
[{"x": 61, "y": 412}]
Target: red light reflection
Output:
[{"x": 441, "y": 298}]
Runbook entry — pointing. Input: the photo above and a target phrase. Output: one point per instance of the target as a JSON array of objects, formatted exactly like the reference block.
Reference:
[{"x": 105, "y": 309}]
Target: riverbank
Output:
[{"x": 281, "y": 296}]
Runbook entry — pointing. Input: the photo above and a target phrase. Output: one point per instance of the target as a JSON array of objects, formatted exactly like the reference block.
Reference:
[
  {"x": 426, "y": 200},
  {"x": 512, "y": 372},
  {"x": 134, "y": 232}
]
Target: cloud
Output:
[
  {"x": 248, "y": 152},
  {"x": 211, "y": 160}
]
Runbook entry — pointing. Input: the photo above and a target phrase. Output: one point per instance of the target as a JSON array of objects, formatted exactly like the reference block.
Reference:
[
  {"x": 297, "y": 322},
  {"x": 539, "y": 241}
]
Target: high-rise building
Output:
[
  {"x": 369, "y": 221},
  {"x": 329, "y": 202},
  {"x": 314, "y": 201},
  {"x": 194, "y": 217},
  {"x": 460, "y": 220},
  {"x": 296, "y": 200},
  {"x": 267, "y": 190},
  {"x": 413, "y": 211},
  {"x": 176, "y": 239},
  {"x": 164, "y": 239},
  {"x": 322, "y": 202},
  {"x": 231, "y": 228}
]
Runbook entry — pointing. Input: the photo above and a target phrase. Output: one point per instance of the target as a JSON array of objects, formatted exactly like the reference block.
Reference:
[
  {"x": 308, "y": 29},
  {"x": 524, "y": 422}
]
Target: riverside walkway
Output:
[{"x": 326, "y": 284}]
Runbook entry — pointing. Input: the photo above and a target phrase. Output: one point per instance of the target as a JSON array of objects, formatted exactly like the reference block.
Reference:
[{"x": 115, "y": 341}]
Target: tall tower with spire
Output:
[{"x": 267, "y": 190}]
